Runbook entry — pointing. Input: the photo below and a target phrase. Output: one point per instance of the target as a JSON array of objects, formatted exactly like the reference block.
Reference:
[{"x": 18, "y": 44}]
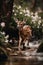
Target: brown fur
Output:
[{"x": 25, "y": 33}]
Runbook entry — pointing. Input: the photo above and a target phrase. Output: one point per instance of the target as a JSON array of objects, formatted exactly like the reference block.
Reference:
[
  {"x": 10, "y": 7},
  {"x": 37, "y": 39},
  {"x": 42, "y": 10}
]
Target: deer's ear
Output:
[
  {"x": 16, "y": 20},
  {"x": 24, "y": 22}
]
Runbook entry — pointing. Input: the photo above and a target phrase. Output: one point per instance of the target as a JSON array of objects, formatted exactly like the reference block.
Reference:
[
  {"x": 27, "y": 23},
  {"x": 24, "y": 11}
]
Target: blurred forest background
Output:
[{"x": 29, "y": 10}]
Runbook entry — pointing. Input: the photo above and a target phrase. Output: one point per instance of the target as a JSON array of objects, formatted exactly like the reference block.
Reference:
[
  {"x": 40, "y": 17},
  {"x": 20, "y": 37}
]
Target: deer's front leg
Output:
[{"x": 19, "y": 47}]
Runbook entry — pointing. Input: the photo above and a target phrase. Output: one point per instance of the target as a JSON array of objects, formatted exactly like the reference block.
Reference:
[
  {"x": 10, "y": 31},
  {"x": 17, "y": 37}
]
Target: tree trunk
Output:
[{"x": 6, "y": 9}]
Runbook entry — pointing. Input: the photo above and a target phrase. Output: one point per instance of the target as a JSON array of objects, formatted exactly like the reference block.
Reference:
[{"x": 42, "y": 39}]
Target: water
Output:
[
  {"x": 23, "y": 60},
  {"x": 28, "y": 58}
]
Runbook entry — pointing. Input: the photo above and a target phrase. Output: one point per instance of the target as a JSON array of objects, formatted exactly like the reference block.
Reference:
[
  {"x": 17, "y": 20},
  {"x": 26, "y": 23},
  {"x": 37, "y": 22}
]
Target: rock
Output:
[{"x": 40, "y": 49}]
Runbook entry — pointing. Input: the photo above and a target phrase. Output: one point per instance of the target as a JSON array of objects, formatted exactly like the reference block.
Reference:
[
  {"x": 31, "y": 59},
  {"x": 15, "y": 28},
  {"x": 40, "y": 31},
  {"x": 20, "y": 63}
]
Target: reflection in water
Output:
[{"x": 13, "y": 60}]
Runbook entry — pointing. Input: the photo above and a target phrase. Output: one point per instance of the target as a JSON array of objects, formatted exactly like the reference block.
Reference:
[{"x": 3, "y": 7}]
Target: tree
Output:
[{"x": 6, "y": 9}]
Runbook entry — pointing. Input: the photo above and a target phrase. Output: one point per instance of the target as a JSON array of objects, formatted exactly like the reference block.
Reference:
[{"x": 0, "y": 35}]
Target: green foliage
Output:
[
  {"x": 34, "y": 19},
  {"x": 12, "y": 23},
  {"x": 28, "y": 22},
  {"x": 3, "y": 39},
  {"x": 41, "y": 14}
]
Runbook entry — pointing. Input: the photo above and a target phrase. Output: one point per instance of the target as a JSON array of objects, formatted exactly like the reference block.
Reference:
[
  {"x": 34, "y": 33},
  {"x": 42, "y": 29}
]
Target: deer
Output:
[{"x": 25, "y": 33}]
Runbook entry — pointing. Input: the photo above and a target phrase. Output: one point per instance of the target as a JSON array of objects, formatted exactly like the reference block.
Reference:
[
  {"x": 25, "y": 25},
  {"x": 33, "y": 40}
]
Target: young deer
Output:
[{"x": 25, "y": 33}]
